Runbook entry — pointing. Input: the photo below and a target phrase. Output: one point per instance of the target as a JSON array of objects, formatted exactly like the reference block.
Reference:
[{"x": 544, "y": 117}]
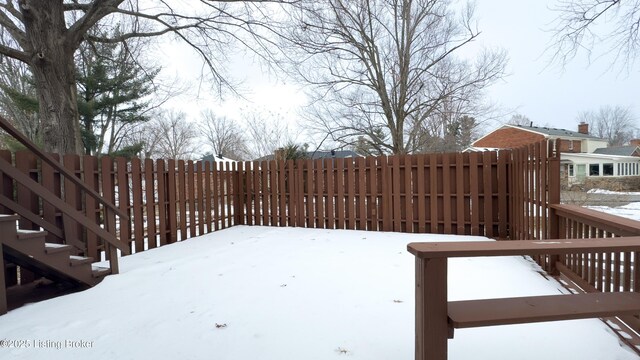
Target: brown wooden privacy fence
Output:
[
  {"x": 496, "y": 194},
  {"x": 464, "y": 193},
  {"x": 166, "y": 200},
  {"x": 535, "y": 181}
]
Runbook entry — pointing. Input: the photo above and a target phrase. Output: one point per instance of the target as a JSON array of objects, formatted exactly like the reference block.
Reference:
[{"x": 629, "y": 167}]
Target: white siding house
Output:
[{"x": 579, "y": 166}]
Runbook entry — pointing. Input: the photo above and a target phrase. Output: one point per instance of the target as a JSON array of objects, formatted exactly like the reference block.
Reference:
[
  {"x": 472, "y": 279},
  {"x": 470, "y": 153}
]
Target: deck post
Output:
[
  {"x": 553, "y": 199},
  {"x": 3, "y": 285},
  {"x": 431, "y": 309}
]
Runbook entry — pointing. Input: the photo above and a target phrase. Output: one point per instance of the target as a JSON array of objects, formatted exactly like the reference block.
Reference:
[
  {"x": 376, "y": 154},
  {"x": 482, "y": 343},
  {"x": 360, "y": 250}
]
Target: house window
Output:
[
  {"x": 619, "y": 170},
  {"x": 571, "y": 145},
  {"x": 571, "y": 170},
  {"x": 607, "y": 169},
  {"x": 594, "y": 169},
  {"x": 581, "y": 171}
]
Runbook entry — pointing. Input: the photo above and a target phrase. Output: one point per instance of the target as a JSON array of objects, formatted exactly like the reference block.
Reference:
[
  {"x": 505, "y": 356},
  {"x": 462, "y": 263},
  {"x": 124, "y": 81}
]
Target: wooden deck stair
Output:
[{"x": 28, "y": 249}]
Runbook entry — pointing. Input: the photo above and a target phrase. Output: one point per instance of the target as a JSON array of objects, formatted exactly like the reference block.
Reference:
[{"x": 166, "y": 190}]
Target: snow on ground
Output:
[
  {"x": 289, "y": 293},
  {"x": 610, "y": 192},
  {"x": 630, "y": 211}
]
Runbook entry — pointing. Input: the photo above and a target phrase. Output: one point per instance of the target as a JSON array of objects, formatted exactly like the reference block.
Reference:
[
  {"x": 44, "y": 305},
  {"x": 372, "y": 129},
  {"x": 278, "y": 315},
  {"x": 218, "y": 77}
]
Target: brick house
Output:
[
  {"x": 511, "y": 136},
  {"x": 582, "y": 155}
]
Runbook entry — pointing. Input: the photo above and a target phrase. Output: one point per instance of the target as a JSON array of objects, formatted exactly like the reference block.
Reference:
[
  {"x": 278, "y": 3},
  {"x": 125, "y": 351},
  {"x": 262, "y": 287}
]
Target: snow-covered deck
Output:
[{"x": 286, "y": 293}]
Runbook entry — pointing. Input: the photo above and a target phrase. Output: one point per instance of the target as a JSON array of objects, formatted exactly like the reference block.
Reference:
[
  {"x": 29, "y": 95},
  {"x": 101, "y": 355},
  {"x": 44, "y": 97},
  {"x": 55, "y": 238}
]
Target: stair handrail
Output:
[
  {"x": 47, "y": 196},
  {"x": 6, "y": 126},
  {"x": 111, "y": 241}
]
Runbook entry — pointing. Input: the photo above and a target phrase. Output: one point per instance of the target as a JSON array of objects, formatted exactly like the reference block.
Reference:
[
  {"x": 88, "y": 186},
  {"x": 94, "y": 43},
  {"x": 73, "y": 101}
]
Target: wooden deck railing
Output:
[
  {"x": 598, "y": 271},
  {"x": 436, "y": 317},
  {"x": 70, "y": 216}
]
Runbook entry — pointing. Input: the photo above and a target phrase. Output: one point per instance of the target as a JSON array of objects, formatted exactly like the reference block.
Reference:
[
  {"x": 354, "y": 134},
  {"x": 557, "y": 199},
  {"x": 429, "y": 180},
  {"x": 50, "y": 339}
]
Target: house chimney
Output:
[
  {"x": 279, "y": 154},
  {"x": 583, "y": 128},
  {"x": 634, "y": 142}
]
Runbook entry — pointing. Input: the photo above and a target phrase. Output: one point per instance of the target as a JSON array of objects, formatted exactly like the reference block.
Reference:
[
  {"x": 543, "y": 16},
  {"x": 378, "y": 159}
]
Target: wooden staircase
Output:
[
  {"x": 28, "y": 249},
  {"x": 55, "y": 262},
  {"x": 25, "y": 194}
]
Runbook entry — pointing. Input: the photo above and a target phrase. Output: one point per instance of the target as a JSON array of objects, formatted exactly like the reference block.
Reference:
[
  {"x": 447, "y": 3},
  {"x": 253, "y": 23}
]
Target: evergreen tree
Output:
[
  {"x": 112, "y": 92},
  {"x": 112, "y": 95}
]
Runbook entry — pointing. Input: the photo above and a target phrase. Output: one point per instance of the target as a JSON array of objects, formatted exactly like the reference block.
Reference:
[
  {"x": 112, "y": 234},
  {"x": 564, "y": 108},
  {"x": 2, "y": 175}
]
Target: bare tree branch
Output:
[
  {"x": 46, "y": 34},
  {"x": 596, "y": 26},
  {"x": 616, "y": 124},
  {"x": 380, "y": 70}
]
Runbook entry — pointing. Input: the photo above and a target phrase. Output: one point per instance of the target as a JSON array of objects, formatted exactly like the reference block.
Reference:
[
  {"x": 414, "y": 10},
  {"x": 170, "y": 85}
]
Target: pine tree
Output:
[{"x": 112, "y": 92}]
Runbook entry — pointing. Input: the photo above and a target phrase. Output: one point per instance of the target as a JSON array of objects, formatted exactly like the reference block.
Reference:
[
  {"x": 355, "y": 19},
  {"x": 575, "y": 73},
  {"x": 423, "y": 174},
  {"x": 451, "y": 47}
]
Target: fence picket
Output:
[
  {"x": 90, "y": 177},
  {"x": 172, "y": 198},
  {"x": 446, "y": 193},
  {"x": 199, "y": 190},
  {"x": 162, "y": 202},
  {"x": 124, "y": 198},
  {"x": 138, "y": 216}
]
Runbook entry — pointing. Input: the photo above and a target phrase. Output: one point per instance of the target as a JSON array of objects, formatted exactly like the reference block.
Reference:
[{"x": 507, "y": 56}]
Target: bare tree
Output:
[
  {"x": 175, "y": 135},
  {"x": 266, "y": 132},
  {"x": 588, "y": 24},
  {"x": 168, "y": 135},
  {"x": 225, "y": 136},
  {"x": 45, "y": 34},
  {"x": 453, "y": 124},
  {"x": 519, "y": 119},
  {"x": 17, "y": 98},
  {"x": 616, "y": 124},
  {"x": 380, "y": 70}
]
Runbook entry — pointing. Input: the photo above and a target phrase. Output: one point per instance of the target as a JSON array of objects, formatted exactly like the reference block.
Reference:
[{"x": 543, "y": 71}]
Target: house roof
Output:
[
  {"x": 217, "y": 159},
  {"x": 313, "y": 155},
  {"x": 547, "y": 131},
  {"x": 627, "y": 150},
  {"x": 597, "y": 157},
  {"x": 480, "y": 149},
  {"x": 331, "y": 154}
]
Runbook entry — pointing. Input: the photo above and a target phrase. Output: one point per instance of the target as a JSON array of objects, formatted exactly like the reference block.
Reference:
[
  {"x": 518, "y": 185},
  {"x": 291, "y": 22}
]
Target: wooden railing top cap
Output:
[{"x": 427, "y": 250}]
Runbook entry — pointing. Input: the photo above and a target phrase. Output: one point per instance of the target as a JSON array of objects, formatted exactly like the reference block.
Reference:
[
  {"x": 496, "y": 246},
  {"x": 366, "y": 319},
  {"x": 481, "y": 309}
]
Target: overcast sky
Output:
[
  {"x": 549, "y": 94},
  {"x": 544, "y": 92}
]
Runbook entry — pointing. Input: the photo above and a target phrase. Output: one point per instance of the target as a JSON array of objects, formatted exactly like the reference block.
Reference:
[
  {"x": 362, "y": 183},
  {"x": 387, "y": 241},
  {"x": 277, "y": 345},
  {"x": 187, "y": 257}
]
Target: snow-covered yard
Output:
[
  {"x": 284, "y": 294},
  {"x": 630, "y": 211}
]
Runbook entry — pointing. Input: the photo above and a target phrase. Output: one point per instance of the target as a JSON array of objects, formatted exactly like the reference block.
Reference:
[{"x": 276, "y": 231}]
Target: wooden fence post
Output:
[{"x": 554, "y": 198}]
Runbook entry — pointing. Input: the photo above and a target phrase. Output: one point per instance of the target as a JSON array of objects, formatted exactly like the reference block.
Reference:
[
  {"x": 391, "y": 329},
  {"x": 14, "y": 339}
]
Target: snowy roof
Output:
[
  {"x": 562, "y": 133},
  {"x": 627, "y": 150},
  {"x": 480, "y": 149},
  {"x": 217, "y": 159},
  {"x": 598, "y": 157}
]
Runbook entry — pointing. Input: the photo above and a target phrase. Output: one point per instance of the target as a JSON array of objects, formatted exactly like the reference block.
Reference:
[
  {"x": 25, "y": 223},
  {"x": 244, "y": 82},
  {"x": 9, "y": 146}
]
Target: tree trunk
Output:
[{"x": 52, "y": 65}]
